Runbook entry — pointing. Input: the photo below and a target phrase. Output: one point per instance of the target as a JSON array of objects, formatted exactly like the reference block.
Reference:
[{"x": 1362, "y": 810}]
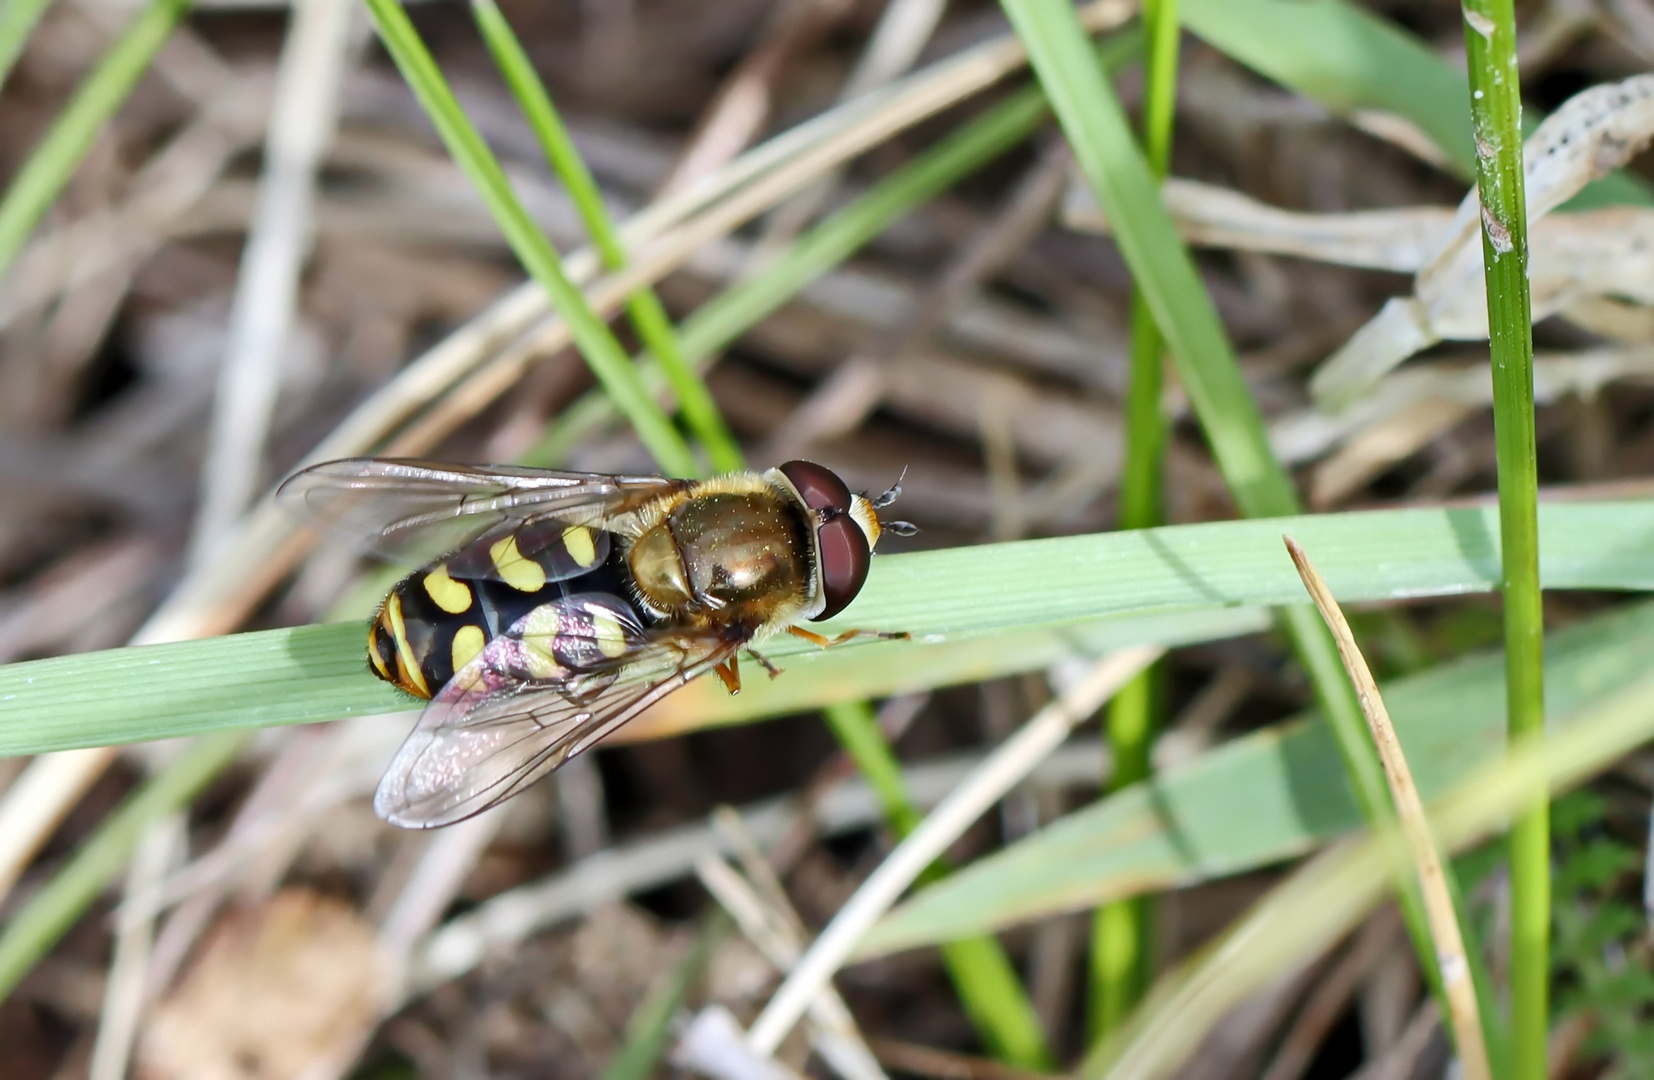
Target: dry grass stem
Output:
[
  {"x": 773, "y": 931},
  {"x": 1001, "y": 771},
  {"x": 126, "y": 992},
  {"x": 306, "y": 103},
  {"x": 1415, "y": 828},
  {"x": 506, "y": 920}
]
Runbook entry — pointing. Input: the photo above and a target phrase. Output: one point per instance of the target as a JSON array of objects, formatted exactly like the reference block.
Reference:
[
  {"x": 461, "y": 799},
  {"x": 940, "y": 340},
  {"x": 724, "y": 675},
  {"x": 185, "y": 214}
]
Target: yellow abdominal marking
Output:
[
  {"x": 608, "y": 633},
  {"x": 374, "y": 658},
  {"x": 449, "y": 595},
  {"x": 467, "y": 644},
  {"x": 524, "y": 575},
  {"x": 581, "y": 547},
  {"x": 406, "y": 665}
]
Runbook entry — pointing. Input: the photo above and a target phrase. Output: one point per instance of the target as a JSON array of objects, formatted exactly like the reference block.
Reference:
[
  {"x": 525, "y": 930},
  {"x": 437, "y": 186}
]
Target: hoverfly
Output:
[{"x": 553, "y": 607}]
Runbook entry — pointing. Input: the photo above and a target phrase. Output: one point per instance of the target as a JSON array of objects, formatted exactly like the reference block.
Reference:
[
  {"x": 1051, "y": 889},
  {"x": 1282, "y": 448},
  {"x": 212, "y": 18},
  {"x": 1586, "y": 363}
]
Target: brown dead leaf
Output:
[{"x": 279, "y": 990}]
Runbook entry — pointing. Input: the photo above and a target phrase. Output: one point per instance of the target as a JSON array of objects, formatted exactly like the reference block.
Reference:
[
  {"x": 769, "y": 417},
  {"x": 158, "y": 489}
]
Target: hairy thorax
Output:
[{"x": 741, "y": 553}]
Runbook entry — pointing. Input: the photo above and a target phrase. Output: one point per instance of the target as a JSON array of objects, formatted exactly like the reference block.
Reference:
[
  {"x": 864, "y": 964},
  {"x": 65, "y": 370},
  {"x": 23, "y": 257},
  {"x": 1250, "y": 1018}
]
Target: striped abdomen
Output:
[{"x": 436, "y": 620}]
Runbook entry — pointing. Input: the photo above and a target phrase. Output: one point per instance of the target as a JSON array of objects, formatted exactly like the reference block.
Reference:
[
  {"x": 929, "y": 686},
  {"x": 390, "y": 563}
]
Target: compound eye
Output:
[
  {"x": 819, "y": 485},
  {"x": 845, "y": 558}
]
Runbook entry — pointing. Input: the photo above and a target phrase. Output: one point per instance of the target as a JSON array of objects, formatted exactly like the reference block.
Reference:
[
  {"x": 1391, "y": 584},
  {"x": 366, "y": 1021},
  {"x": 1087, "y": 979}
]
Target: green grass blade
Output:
[
  {"x": 1122, "y": 936},
  {"x": 1164, "y": 274},
  {"x": 1162, "y": 271},
  {"x": 59, "y": 153},
  {"x": 986, "y": 981},
  {"x": 1496, "y": 108},
  {"x": 647, "y": 314},
  {"x": 17, "y": 22},
  {"x": 31, "y": 932},
  {"x": 608, "y": 361},
  {"x": 1181, "y": 827},
  {"x": 989, "y": 595},
  {"x": 1352, "y": 61}
]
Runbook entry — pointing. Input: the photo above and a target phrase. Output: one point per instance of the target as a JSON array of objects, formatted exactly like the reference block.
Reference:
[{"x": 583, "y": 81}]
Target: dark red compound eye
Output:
[
  {"x": 845, "y": 555},
  {"x": 845, "y": 558},
  {"x": 819, "y": 485}
]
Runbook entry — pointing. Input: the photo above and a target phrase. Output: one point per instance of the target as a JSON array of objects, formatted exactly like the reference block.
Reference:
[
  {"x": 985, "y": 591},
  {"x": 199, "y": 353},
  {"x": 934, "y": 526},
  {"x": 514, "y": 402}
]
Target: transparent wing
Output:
[
  {"x": 545, "y": 691},
  {"x": 413, "y": 511}
]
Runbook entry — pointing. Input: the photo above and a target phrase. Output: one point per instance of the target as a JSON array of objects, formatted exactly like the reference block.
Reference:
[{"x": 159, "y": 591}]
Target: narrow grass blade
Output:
[
  {"x": 1181, "y": 828},
  {"x": 1162, "y": 271},
  {"x": 30, "y": 933},
  {"x": 986, "y": 981},
  {"x": 597, "y": 344},
  {"x": 733, "y": 312},
  {"x": 1122, "y": 936},
  {"x": 948, "y": 597},
  {"x": 1496, "y": 109},
  {"x": 647, "y": 314},
  {"x": 38, "y": 182},
  {"x": 1415, "y": 829},
  {"x": 17, "y": 22}
]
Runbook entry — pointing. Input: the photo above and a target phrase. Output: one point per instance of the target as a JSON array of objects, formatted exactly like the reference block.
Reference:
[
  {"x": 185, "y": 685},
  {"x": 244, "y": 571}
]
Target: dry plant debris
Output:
[{"x": 277, "y": 989}]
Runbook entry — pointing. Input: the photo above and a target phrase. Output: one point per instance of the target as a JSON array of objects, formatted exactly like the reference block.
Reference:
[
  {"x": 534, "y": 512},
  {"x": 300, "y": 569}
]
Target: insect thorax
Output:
[{"x": 739, "y": 556}]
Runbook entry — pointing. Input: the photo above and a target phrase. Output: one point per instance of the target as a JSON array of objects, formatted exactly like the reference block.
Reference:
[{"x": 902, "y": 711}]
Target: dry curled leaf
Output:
[
  {"x": 1577, "y": 261},
  {"x": 1594, "y": 132}
]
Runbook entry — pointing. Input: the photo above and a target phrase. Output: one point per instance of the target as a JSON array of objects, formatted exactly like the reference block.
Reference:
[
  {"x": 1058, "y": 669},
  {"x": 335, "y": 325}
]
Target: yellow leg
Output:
[
  {"x": 838, "y": 639},
  {"x": 730, "y": 672}
]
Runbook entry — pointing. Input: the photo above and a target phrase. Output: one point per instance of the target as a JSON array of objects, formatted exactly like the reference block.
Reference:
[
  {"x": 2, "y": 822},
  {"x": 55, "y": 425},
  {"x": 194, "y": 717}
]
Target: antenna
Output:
[{"x": 891, "y": 495}]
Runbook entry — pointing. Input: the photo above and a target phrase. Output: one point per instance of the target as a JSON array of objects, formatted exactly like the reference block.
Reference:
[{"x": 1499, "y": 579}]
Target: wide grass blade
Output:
[
  {"x": 986, "y": 594},
  {"x": 1181, "y": 827},
  {"x": 1323, "y": 901}
]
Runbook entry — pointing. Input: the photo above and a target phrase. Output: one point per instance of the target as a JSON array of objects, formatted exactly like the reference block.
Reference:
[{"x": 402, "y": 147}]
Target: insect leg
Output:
[
  {"x": 730, "y": 672},
  {"x": 764, "y": 662},
  {"x": 838, "y": 639}
]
